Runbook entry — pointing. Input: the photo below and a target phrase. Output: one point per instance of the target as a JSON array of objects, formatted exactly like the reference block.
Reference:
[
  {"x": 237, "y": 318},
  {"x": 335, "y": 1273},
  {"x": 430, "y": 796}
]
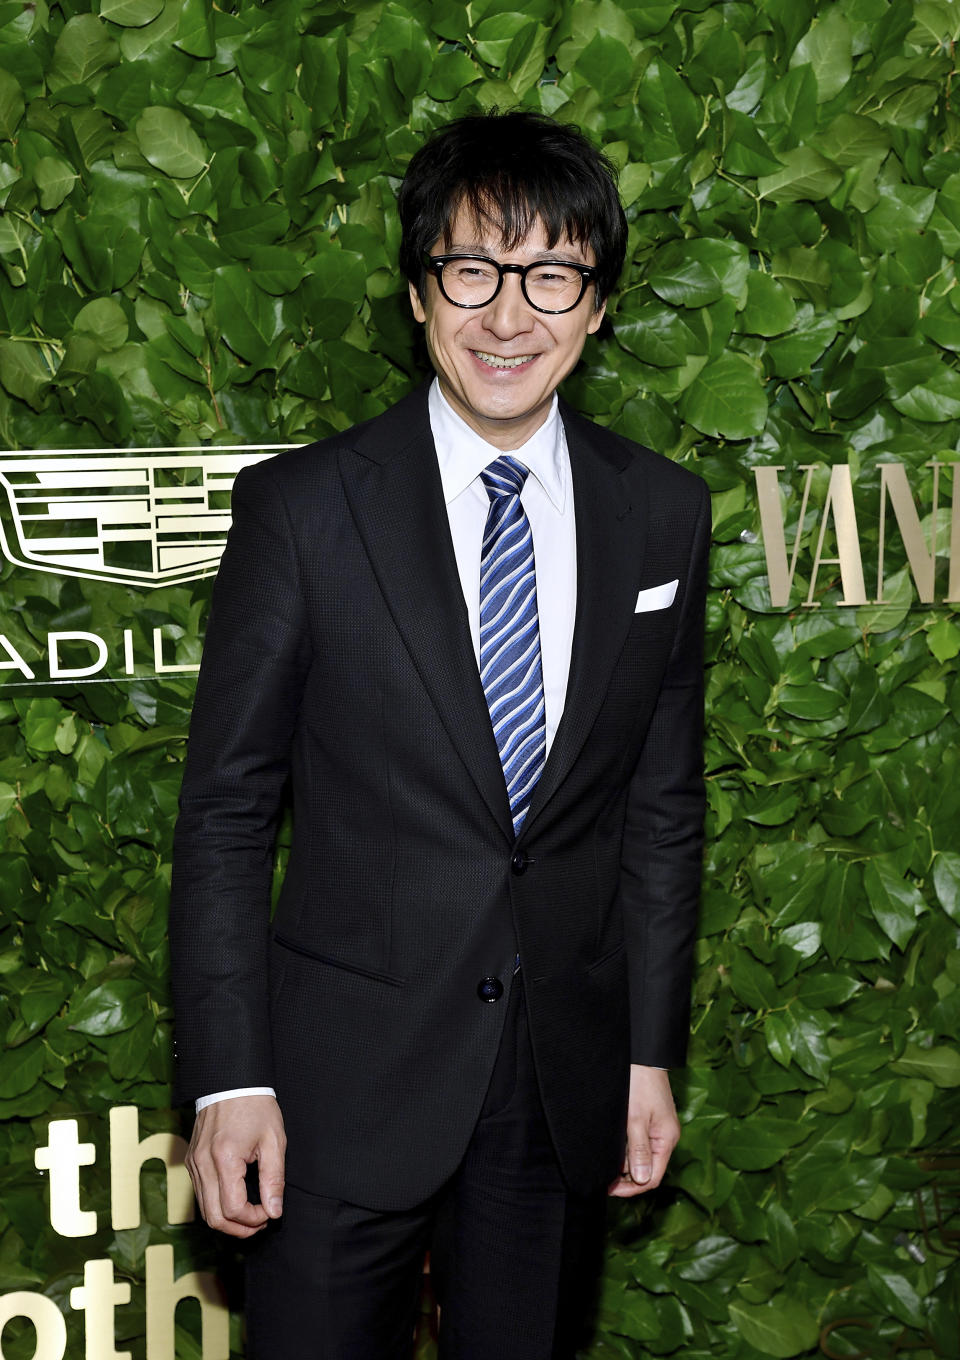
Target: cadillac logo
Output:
[{"x": 146, "y": 517}]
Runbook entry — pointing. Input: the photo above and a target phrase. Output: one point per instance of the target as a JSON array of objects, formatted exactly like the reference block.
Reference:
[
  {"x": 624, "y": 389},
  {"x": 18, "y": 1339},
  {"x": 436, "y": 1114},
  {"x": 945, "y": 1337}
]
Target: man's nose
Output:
[{"x": 509, "y": 313}]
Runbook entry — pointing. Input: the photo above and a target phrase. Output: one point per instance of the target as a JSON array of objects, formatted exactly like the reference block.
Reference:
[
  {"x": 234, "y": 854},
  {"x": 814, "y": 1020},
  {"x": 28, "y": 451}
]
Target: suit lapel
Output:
[
  {"x": 393, "y": 486},
  {"x": 611, "y": 539}
]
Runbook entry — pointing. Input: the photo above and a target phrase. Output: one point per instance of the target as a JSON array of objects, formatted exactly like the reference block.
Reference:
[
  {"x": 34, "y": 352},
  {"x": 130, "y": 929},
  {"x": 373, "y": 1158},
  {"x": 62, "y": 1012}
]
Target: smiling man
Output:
[{"x": 467, "y": 635}]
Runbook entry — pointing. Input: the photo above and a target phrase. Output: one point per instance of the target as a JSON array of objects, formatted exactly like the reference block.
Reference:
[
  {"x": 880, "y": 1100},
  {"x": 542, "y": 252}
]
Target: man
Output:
[{"x": 468, "y": 634}]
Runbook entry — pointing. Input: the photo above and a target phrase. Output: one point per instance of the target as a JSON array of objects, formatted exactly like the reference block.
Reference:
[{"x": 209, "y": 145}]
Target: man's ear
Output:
[
  {"x": 415, "y": 302},
  {"x": 594, "y": 323}
]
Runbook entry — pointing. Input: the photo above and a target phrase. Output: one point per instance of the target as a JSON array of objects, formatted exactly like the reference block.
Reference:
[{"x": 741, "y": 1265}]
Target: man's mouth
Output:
[{"x": 497, "y": 361}]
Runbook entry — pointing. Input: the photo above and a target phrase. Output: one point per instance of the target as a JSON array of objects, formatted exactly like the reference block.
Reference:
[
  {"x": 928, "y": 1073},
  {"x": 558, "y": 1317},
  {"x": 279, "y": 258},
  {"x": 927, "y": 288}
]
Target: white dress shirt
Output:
[{"x": 547, "y": 497}]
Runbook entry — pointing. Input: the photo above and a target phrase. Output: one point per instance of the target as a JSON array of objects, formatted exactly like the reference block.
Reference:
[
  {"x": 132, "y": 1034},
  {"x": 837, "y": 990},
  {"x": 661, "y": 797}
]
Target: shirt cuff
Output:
[{"x": 204, "y": 1101}]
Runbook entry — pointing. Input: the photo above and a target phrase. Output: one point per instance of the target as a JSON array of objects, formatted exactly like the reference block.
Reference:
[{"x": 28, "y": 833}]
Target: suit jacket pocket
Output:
[
  {"x": 606, "y": 958},
  {"x": 348, "y": 967}
]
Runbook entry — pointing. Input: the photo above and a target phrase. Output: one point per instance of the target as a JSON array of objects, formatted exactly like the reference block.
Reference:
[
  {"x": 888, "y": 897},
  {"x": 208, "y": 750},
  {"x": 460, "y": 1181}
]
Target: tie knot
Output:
[{"x": 505, "y": 477}]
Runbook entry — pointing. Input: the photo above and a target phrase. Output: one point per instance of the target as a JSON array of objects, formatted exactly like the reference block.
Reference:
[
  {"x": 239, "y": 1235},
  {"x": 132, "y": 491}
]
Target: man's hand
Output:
[
  {"x": 652, "y": 1132},
  {"x": 227, "y": 1137}
]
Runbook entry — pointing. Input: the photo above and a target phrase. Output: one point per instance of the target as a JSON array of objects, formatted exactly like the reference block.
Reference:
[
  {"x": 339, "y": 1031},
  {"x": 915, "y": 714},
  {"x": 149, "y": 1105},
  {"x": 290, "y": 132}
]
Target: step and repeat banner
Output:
[{"x": 197, "y": 268}]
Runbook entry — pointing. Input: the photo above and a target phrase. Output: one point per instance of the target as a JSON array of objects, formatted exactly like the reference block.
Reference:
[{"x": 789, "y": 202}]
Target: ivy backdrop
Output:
[{"x": 197, "y": 245}]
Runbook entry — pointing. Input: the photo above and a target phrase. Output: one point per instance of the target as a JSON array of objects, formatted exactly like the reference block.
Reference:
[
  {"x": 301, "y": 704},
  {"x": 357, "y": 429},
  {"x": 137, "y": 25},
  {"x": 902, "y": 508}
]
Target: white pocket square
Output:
[{"x": 656, "y": 597}]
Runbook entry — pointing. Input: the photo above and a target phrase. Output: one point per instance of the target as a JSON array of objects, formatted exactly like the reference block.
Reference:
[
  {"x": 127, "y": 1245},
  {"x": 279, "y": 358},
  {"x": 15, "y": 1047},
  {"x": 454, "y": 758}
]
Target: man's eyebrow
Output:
[{"x": 474, "y": 248}]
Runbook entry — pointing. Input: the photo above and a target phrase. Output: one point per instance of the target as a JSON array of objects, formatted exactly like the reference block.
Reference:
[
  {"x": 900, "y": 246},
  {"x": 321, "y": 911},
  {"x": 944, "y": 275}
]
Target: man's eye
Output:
[
  {"x": 473, "y": 271},
  {"x": 554, "y": 276}
]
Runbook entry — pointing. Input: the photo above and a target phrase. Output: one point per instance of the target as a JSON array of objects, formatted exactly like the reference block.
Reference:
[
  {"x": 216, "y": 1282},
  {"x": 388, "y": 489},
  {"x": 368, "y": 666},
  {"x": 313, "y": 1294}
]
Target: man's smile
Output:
[{"x": 500, "y": 361}]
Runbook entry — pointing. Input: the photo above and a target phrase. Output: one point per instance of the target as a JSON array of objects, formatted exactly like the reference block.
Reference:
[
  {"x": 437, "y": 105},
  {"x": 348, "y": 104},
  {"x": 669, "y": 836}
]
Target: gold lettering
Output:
[
  {"x": 46, "y": 1318},
  {"x": 97, "y": 1297},
  {"x": 165, "y": 666},
  {"x": 58, "y": 672},
  {"x": 953, "y": 581},
  {"x": 63, "y": 1157},
  {"x": 923, "y": 562},
  {"x": 839, "y": 502},
  {"x": 127, "y": 1156},
  {"x": 163, "y": 1295},
  {"x": 779, "y": 573},
  {"x": 16, "y": 662}
]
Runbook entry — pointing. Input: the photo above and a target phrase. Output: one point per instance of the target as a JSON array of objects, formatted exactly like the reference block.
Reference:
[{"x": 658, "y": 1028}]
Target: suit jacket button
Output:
[
  {"x": 519, "y": 863},
  {"x": 490, "y": 989}
]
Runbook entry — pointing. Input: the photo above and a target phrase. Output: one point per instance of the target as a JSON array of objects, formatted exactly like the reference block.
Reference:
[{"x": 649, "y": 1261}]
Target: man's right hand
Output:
[{"x": 227, "y": 1136}]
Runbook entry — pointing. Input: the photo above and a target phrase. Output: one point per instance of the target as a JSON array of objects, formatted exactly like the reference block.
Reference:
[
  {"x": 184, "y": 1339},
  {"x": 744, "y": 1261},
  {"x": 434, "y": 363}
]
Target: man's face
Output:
[{"x": 503, "y": 405}]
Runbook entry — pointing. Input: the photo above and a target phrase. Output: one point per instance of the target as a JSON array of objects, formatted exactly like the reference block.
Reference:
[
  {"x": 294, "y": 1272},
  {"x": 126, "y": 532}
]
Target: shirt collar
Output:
[{"x": 462, "y": 454}]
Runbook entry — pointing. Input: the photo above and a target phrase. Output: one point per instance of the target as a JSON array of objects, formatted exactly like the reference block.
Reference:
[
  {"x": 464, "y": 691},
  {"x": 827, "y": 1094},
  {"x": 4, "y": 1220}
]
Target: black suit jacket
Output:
[{"x": 338, "y": 659}]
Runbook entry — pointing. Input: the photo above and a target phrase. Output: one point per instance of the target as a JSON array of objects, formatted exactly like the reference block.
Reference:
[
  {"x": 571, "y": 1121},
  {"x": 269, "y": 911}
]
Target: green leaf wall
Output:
[{"x": 197, "y": 245}]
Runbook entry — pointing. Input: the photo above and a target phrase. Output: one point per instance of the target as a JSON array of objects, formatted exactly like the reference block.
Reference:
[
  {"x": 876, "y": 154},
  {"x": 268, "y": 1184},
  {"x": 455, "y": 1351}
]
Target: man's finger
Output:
[
  {"x": 234, "y": 1201},
  {"x": 271, "y": 1178},
  {"x": 639, "y": 1155}
]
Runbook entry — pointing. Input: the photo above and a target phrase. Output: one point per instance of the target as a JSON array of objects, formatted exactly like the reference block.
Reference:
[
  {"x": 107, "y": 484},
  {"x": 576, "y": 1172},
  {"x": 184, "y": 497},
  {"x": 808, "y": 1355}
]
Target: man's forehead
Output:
[{"x": 488, "y": 235}]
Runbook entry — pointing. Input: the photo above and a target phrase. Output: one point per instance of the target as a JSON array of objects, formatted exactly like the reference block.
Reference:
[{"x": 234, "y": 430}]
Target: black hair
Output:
[{"x": 511, "y": 169}]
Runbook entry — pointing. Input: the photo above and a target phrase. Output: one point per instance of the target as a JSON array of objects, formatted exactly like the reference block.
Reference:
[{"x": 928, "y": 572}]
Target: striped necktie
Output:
[{"x": 510, "y": 669}]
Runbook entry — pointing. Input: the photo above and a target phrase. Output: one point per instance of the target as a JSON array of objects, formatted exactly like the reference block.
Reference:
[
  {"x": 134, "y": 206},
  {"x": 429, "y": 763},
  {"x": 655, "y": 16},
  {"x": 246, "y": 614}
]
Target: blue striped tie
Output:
[{"x": 510, "y": 669}]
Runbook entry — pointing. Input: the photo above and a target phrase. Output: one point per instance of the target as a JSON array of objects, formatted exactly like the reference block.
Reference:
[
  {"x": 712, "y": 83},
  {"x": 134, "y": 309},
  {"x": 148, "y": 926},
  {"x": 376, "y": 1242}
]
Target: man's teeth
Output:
[{"x": 495, "y": 361}]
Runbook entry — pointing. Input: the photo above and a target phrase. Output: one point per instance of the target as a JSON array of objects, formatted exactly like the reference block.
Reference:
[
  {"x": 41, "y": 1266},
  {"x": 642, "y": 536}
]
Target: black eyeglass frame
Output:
[{"x": 435, "y": 265}]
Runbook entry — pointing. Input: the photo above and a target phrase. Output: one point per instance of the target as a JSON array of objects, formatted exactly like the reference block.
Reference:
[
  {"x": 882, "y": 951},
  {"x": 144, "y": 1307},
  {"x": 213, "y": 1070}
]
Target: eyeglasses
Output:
[{"x": 552, "y": 286}]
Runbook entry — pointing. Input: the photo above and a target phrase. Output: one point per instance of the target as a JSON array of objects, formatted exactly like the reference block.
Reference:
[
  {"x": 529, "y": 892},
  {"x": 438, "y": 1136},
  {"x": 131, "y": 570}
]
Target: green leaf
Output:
[
  {"x": 275, "y": 269},
  {"x": 770, "y": 309},
  {"x": 451, "y": 73},
  {"x": 752, "y": 981},
  {"x": 683, "y": 280},
  {"x": 783, "y": 1244},
  {"x": 109, "y": 1008},
  {"x": 130, "y": 13},
  {"x": 828, "y": 47},
  {"x": 758, "y": 1141},
  {"x": 655, "y": 334},
  {"x": 168, "y": 141},
  {"x": 938, "y": 1064},
  {"x": 851, "y": 139},
  {"x": 746, "y": 152},
  {"x": 805, "y": 174},
  {"x": 772, "y": 808},
  {"x": 935, "y": 398},
  {"x": 20, "y": 1069},
  {"x": 776, "y": 1032},
  {"x": 11, "y": 105},
  {"x": 54, "y": 179},
  {"x": 243, "y": 231},
  {"x": 248, "y": 316},
  {"x": 818, "y": 990},
  {"x": 726, "y": 399},
  {"x": 807, "y": 1042},
  {"x": 894, "y": 902},
  {"x": 83, "y": 48},
  {"x": 897, "y": 1295},
  {"x": 897, "y": 598},
  {"x": 946, "y": 882},
  {"x": 22, "y": 372},
  {"x": 607, "y": 66},
  {"x": 810, "y": 701},
  {"x": 195, "y": 29},
  {"x": 41, "y": 999},
  {"x": 714, "y": 1253},
  {"x": 104, "y": 319},
  {"x": 783, "y": 1327}
]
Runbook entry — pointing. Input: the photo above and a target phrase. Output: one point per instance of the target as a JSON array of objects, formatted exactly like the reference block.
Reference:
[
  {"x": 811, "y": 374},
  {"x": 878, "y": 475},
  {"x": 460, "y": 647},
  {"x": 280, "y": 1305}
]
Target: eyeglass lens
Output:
[{"x": 473, "y": 282}]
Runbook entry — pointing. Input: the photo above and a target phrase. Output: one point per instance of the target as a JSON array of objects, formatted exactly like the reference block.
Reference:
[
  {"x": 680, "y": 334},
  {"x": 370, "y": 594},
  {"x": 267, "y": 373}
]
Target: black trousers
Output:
[{"x": 514, "y": 1257}]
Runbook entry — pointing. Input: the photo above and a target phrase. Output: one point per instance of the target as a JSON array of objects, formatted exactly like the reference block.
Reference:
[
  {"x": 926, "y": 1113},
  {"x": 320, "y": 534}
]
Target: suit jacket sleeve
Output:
[
  {"x": 255, "y": 660},
  {"x": 663, "y": 835}
]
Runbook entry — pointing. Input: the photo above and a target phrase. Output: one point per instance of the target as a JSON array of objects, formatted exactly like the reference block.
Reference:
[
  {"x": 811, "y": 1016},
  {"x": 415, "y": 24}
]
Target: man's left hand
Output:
[{"x": 652, "y": 1132}]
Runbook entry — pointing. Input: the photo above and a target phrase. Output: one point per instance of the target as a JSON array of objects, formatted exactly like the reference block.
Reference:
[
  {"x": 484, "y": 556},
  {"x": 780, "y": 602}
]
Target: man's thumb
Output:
[
  {"x": 641, "y": 1168},
  {"x": 271, "y": 1191}
]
